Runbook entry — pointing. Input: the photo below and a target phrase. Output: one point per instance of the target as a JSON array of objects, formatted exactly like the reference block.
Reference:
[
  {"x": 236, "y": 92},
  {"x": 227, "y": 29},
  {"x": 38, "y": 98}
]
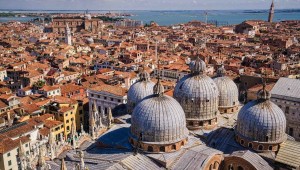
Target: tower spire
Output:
[
  {"x": 271, "y": 12},
  {"x": 68, "y": 38}
]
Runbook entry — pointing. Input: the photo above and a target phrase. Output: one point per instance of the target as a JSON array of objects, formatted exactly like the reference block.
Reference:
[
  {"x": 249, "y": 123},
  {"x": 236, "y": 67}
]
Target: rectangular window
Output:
[
  {"x": 291, "y": 132},
  {"x": 9, "y": 163},
  {"x": 8, "y": 154},
  {"x": 287, "y": 110}
]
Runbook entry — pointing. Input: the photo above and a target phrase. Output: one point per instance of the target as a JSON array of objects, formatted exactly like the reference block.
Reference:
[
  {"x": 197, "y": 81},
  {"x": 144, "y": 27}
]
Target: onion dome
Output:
[
  {"x": 199, "y": 96},
  {"x": 228, "y": 92},
  {"x": 139, "y": 90},
  {"x": 261, "y": 124},
  {"x": 158, "y": 123}
]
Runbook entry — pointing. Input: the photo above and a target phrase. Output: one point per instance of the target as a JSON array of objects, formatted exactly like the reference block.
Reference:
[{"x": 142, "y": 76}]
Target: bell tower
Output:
[
  {"x": 271, "y": 12},
  {"x": 68, "y": 38}
]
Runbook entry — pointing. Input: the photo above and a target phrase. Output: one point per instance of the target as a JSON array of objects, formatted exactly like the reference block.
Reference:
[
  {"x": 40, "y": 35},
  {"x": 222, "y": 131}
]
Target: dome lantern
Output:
[
  {"x": 158, "y": 89},
  {"x": 221, "y": 71},
  {"x": 198, "y": 67},
  {"x": 263, "y": 94}
]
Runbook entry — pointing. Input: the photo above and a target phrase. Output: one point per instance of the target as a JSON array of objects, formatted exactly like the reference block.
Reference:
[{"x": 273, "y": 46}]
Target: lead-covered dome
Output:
[
  {"x": 198, "y": 95},
  {"x": 261, "y": 124},
  {"x": 139, "y": 90},
  {"x": 158, "y": 123},
  {"x": 228, "y": 92}
]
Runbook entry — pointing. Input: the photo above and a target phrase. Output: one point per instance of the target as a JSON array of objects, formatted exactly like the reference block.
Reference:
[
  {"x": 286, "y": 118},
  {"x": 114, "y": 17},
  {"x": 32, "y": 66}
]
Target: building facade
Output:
[
  {"x": 106, "y": 97},
  {"x": 286, "y": 94},
  {"x": 76, "y": 24}
]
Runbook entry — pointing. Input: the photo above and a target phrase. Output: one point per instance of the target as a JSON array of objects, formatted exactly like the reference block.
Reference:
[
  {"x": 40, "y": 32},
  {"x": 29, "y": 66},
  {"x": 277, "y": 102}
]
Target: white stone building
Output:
[
  {"x": 106, "y": 96},
  {"x": 286, "y": 94}
]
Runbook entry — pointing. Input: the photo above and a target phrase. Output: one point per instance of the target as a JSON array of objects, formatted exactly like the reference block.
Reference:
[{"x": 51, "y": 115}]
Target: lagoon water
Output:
[{"x": 223, "y": 17}]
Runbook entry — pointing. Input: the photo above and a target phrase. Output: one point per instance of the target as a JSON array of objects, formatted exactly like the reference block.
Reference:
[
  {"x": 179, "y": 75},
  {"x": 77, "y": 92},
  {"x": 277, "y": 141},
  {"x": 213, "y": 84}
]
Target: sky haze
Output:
[{"x": 146, "y": 4}]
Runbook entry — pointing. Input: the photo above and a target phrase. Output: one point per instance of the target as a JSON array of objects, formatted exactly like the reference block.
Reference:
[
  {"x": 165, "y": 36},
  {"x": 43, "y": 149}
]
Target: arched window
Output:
[
  {"x": 270, "y": 147},
  {"x": 260, "y": 147},
  {"x": 240, "y": 168},
  {"x": 150, "y": 149},
  {"x": 242, "y": 141},
  {"x": 250, "y": 145},
  {"x": 216, "y": 165},
  {"x": 182, "y": 143},
  {"x": 162, "y": 149},
  {"x": 200, "y": 123},
  {"x": 191, "y": 123},
  {"x": 230, "y": 167}
]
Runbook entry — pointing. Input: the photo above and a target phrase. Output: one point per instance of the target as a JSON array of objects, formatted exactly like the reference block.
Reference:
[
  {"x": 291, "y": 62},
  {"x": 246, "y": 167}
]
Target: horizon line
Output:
[{"x": 141, "y": 9}]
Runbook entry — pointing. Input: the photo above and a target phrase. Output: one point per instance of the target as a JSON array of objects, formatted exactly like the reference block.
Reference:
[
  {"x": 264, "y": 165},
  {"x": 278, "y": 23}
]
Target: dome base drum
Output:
[
  {"x": 193, "y": 124},
  {"x": 157, "y": 148}
]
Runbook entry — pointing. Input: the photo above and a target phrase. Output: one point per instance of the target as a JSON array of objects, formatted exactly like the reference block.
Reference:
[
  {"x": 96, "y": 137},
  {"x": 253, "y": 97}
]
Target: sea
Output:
[{"x": 173, "y": 17}]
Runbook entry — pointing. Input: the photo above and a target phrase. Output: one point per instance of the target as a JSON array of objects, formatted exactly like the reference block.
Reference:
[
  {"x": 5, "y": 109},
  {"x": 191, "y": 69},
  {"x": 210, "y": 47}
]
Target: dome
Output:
[
  {"x": 262, "y": 122},
  {"x": 199, "y": 96},
  {"x": 228, "y": 92},
  {"x": 158, "y": 122},
  {"x": 88, "y": 16},
  {"x": 90, "y": 40},
  {"x": 139, "y": 90}
]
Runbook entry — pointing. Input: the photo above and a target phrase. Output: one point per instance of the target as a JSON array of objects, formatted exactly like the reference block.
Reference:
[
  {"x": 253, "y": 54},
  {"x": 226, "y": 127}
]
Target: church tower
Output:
[
  {"x": 271, "y": 12},
  {"x": 68, "y": 38}
]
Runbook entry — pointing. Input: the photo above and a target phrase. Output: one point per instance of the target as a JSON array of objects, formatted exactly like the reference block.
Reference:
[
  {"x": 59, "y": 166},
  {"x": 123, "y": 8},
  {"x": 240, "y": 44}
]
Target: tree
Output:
[{"x": 39, "y": 84}]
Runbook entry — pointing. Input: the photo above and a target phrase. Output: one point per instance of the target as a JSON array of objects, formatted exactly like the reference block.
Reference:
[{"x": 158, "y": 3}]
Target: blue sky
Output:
[{"x": 146, "y": 4}]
